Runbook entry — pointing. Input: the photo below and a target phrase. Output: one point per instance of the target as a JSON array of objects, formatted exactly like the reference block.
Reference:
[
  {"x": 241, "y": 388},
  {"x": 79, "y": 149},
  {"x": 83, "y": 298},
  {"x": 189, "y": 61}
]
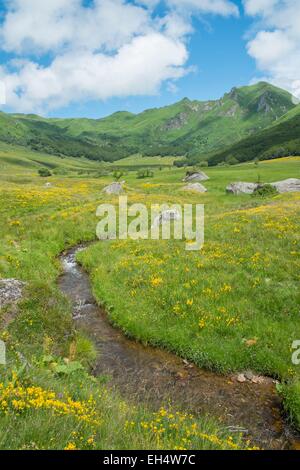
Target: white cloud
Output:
[
  {"x": 276, "y": 47},
  {"x": 257, "y": 7},
  {"x": 48, "y": 25},
  {"x": 111, "y": 48},
  {"x": 219, "y": 7},
  {"x": 269, "y": 47},
  {"x": 136, "y": 69}
]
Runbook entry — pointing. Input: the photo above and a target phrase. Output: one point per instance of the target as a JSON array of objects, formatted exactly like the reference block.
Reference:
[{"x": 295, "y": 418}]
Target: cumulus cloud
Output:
[
  {"x": 219, "y": 7},
  {"x": 136, "y": 69},
  {"x": 65, "y": 51},
  {"x": 50, "y": 25},
  {"x": 256, "y": 7},
  {"x": 276, "y": 46}
]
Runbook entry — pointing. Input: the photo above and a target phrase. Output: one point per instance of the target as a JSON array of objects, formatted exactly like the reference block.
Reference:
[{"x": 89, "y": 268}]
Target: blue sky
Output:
[{"x": 92, "y": 58}]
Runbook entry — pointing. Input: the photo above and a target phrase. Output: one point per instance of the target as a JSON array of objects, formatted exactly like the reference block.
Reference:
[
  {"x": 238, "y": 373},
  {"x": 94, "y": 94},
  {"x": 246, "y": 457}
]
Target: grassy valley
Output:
[
  {"x": 150, "y": 231},
  {"x": 230, "y": 307},
  {"x": 193, "y": 129}
]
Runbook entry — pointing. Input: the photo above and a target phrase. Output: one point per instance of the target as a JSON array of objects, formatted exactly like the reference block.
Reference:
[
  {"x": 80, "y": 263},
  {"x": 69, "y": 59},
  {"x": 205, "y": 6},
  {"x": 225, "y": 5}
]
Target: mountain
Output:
[
  {"x": 193, "y": 128},
  {"x": 280, "y": 139},
  {"x": 43, "y": 135}
]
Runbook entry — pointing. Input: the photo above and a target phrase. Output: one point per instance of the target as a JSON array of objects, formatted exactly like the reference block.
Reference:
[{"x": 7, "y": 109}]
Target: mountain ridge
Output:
[
  {"x": 189, "y": 128},
  {"x": 281, "y": 139}
]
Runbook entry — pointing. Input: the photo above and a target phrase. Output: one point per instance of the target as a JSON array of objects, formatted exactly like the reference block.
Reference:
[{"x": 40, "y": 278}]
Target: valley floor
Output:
[{"x": 231, "y": 307}]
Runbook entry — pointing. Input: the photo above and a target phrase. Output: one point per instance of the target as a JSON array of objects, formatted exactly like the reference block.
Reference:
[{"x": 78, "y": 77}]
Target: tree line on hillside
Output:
[{"x": 279, "y": 141}]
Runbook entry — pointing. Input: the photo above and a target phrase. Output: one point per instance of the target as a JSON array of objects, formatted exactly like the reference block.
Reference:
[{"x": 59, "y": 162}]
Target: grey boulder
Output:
[
  {"x": 11, "y": 291},
  {"x": 241, "y": 188},
  {"x": 198, "y": 187},
  {"x": 290, "y": 185},
  {"x": 196, "y": 176},
  {"x": 166, "y": 216},
  {"x": 114, "y": 188}
]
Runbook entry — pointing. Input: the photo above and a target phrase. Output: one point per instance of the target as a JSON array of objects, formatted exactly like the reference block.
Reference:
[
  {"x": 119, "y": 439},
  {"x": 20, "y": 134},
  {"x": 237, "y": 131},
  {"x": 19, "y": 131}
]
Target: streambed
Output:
[{"x": 156, "y": 377}]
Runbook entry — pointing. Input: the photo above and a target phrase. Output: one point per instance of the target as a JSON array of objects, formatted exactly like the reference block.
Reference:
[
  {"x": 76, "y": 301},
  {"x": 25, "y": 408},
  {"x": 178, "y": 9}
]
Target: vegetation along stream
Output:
[{"x": 155, "y": 376}]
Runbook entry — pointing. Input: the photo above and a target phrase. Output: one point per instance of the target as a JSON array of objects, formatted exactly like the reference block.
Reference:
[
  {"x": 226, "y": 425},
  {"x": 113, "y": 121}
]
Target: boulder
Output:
[
  {"x": 198, "y": 187},
  {"x": 241, "y": 378},
  {"x": 196, "y": 176},
  {"x": 290, "y": 185},
  {"x": 114, "y": 188},
  {"x": 166, "y": 216},
  {"x": 241, "y": 188},
  {"x": 11, "y": 291}
]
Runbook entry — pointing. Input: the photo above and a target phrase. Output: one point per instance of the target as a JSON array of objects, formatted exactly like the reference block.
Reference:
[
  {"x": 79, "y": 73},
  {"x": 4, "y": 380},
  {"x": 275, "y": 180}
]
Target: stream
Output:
[{"x": 155, "y": 377}]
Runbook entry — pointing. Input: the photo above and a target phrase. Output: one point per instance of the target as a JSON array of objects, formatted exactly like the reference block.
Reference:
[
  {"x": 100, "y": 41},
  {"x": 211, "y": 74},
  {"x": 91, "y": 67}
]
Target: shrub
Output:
[
  {"x": 141, "y": 174},
  {"x": 265, "y": 190},
  {"x": 232, "y": 161},
  {"x": 45, "y": 173},
  {"x": 180, "y": 163},
  {"x": 222, "y": 164},
  {"x": 117, "y": 174}
]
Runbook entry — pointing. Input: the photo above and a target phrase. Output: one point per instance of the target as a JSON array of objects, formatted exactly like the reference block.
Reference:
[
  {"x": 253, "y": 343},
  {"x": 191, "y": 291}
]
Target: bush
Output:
[
  {"x": 232, "y": 161},
  {"x": 180, "y": 163},
  {"x": 45, "y": 173},
  {"x": 222, "y": 164},
  {"x": 117, "y": 174},
  {"x": 265, "y": 190},
  {"x": 141, "y": 174}
]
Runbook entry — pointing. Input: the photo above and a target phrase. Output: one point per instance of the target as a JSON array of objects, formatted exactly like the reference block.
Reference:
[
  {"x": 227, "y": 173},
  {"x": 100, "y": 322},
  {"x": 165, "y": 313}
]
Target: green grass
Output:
[
  {"x": 136, "y": 161},
  {"x": 230, "y": 307},
  {"x": 36, "y": 224},
  {"x": 260, "y": 295},
  {"x": 19, "y": 161}
]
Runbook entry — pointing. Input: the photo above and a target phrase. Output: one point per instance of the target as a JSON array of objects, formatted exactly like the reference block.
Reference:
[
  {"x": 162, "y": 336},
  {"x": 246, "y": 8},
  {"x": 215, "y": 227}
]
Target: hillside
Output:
[
  {"x": 279, "y": 140},
  {"x": 193, "y": 125},
  {"x": 16, "y": 160},
  {"x": 192, "y": 128}
]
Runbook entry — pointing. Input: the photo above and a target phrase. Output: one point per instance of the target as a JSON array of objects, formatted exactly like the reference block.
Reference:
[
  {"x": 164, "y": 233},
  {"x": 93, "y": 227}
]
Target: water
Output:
[{"x": 156, "y": 377}]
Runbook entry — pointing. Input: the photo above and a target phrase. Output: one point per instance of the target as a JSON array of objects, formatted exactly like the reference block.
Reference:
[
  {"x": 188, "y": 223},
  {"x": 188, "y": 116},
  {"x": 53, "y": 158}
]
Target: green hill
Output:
[
  {"x": 193, "y": 128},
  {"x": 279, "y": 140}
]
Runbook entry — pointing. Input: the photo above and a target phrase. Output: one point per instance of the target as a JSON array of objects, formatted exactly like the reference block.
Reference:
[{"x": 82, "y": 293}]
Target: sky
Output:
[{"x": 90, "y": 58}]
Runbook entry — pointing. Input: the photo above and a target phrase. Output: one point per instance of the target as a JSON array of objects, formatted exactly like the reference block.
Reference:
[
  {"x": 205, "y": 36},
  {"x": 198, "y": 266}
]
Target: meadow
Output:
[{"x": 230, "y": 307}]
